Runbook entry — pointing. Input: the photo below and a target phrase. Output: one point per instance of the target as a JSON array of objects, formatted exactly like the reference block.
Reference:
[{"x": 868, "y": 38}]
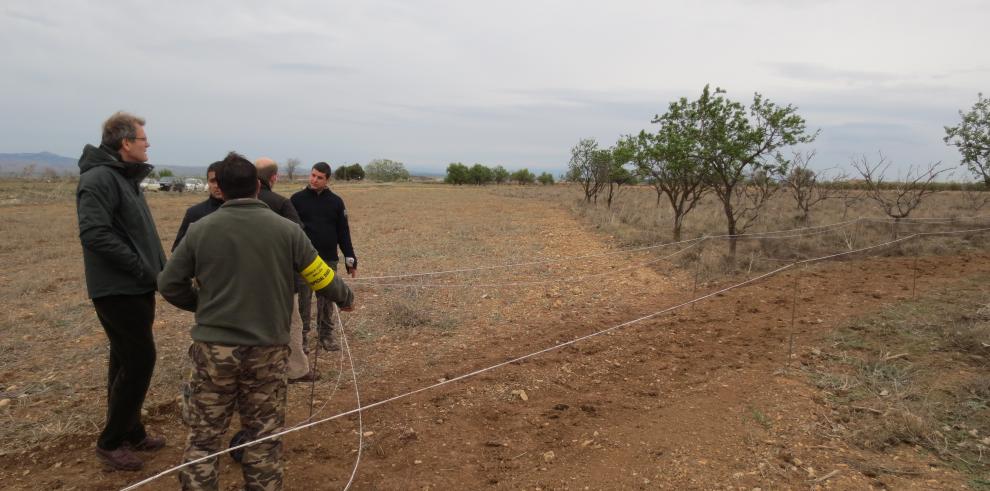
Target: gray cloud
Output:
[
  {"x": 501, "y": 83},
  {"x": 820, "y": 73}
]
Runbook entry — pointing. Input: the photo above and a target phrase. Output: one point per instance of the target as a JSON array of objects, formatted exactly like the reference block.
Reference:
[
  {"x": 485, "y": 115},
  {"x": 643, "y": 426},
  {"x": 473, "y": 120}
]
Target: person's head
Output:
[
  {"x": 211, "y": 179},
  {"x": 267, "y": 170},
  {"x": 124, "y": 134},
  {"x": 237, "y": 177},
  {"x": 319, "y": 177}
]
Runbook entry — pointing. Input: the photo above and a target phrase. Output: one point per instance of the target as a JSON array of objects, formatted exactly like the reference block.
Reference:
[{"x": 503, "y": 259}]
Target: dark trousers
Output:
[
  {"x": 324, "y": 308},
  {"x": 127, "y": 320}
]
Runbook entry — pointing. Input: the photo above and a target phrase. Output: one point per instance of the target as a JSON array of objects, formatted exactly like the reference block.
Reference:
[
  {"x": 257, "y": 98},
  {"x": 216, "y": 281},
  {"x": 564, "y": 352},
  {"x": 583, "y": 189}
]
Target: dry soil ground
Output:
[{"x": 714, "y": 396}]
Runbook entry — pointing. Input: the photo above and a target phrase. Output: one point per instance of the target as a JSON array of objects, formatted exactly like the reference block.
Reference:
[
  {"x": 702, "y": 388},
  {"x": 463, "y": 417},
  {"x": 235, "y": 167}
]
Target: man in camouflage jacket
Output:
[{"x": 242, "y": 297}]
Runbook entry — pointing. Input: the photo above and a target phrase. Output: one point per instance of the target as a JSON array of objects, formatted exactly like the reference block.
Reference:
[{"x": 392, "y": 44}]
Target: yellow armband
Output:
[{"x": 318, "y": 275}]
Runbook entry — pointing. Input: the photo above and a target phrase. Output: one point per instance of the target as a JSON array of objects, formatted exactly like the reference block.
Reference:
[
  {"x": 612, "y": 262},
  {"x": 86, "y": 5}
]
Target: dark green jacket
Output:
[
  {"x": 244, "y": 259},
  {"x": 122, "y": 253}
]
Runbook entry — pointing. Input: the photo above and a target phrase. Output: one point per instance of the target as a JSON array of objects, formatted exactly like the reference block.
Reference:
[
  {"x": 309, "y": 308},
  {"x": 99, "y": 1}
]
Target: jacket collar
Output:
[{"x": 243, "y": 202}]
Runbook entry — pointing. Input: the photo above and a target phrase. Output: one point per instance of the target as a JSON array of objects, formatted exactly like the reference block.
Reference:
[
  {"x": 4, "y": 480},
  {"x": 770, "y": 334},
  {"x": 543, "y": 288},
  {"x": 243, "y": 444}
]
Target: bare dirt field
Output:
[{"x": 860, "y": 373}]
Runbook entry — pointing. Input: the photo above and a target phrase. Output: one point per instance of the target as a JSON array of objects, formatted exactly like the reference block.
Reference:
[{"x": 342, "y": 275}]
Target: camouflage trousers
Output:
[{"x": 250, "y": 379}]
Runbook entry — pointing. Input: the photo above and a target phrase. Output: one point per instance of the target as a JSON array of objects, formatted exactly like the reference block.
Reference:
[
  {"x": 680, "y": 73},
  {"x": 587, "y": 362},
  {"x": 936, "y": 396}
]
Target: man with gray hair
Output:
[{"x": 122, "y": 255}]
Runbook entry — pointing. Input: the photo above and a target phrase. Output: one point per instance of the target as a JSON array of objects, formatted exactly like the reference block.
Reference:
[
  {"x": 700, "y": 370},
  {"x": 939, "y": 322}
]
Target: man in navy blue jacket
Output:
[
  {"x": 324, "y": 219},
  {"x": 200, "y": 210}
]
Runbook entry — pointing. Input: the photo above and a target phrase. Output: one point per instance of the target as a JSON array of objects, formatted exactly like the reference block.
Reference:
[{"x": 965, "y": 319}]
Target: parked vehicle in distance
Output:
[
  {"x": 195, "y": 185},
  {"x": 149, "y": 184},
  {"x": 172, "y": 183}
]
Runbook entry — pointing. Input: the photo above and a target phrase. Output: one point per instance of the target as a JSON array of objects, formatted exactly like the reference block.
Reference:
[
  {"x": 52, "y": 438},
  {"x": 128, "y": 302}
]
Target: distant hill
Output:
[{"x": 17, "y": 164}]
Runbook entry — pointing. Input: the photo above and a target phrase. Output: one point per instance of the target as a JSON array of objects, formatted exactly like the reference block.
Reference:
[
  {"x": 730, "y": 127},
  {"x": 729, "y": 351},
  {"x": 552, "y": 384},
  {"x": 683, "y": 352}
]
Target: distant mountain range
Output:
[
  {"x": 26, "y": 164},
  {"x": 36, "y": 164}
]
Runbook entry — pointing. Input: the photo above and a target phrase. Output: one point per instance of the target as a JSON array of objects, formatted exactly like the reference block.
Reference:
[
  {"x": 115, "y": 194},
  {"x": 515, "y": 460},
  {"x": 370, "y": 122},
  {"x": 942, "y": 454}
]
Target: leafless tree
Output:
[
  {"x": 28, "y": 171},
  {"x": 807, "y": 187},
  {"x": 897, "y": 198},
  {"x": 975, "y": 196},
  {"x": 291, "y": 165}
]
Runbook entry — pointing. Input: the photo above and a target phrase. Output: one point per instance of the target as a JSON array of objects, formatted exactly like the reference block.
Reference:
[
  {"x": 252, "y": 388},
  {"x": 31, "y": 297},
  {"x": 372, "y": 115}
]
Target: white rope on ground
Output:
[
  {"x": 767, "y": 235},
  {"x": 697, "y": 241},
  {"x": 794, "y": 233},
  {"x": 336, "y": 385},
  {"x": 357, "y": 395},
  {"x": 923, "y": 219},
  {"x": 549, "y": 349},
  {"x": 520, "y": 264}
]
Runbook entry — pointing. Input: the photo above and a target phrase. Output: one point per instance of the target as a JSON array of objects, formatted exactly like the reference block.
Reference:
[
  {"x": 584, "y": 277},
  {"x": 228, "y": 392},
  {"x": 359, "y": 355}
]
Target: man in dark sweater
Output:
[
  {"x": 324, "y": 220},
  {"x": 200, "y": 210},
  {"x": 122, "y": 254},
  {"x": 242, "y": 297}
]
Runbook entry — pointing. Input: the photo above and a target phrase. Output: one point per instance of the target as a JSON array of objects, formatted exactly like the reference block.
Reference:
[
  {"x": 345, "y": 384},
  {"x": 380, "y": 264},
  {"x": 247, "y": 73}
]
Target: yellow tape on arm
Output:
[{"x": 318, "y": 275}]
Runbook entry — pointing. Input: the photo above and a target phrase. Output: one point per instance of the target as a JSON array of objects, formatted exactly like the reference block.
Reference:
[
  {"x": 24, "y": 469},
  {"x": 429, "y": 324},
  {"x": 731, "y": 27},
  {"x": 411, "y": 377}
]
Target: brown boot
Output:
[
  {"x": 328, "y": 343},
  {"x": 149, "y": 444},
  {"x": 310, "y": 376},
  {"x": 121, "y": 459}
]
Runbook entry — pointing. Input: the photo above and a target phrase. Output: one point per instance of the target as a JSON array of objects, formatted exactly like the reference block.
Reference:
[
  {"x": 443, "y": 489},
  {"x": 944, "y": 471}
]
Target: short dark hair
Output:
[
  {"x": 323, "y": 168},
  {"x": 237, "y": 177},
  {"x": 119, "y": 126},
  {"x": 214, "y": 168}
]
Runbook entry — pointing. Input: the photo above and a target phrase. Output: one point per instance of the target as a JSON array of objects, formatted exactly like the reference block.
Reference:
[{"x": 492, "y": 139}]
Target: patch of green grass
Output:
[{"x": 916, "y": 373}]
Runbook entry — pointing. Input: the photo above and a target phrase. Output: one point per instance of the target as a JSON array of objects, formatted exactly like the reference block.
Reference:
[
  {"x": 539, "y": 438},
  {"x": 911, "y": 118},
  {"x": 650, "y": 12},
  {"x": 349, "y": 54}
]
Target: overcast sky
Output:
[{"x": 515, "y": 83}]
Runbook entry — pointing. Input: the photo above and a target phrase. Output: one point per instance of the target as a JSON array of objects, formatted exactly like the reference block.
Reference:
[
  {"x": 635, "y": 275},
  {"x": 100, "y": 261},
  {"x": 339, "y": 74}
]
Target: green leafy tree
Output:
[
  {"x": 545, "y": 178},
  {"x": 457, "y": 173},
  {"x": 740, "y": 148},
  {"x": 352, "y": 172},
  {"x": 523, "y": 176},
  {"x": 500, "y": 175},
  {"x": 972, "y": 138},
  {"x": 667, "y": 160},
  {"x": 356, "y": 172},
  {"x": 602, "y": 162},
  {"x": 480, "y": 174},
  {"x": 385, "y": 170},
  {"x": 617, "y": 174},
  {"x": 582, "y": 170},
  {"x": 165, "y": 173}
]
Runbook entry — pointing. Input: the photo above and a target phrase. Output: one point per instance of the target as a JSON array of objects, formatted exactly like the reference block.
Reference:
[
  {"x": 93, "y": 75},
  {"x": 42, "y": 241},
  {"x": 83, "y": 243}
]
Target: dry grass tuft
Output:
[
  {"x": 883, "y": 376},
  {"x": 894, "y": 427}
]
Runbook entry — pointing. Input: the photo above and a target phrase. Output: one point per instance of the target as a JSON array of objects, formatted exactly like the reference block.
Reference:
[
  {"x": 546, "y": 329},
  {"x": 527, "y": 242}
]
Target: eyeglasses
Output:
[{"x": 144, "y": 139}]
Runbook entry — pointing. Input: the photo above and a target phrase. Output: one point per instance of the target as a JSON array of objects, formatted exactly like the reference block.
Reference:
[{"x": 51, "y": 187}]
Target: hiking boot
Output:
[
  {"x": 311, "y": 376},
  {"x": 149, "y": 444},
  {"x": 328, "y": 343},
  {"x": 121, "y": 459}
]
